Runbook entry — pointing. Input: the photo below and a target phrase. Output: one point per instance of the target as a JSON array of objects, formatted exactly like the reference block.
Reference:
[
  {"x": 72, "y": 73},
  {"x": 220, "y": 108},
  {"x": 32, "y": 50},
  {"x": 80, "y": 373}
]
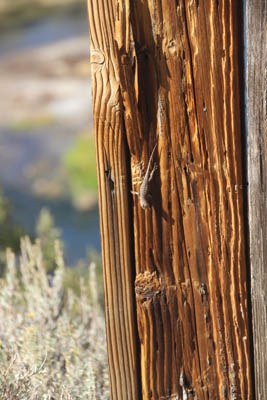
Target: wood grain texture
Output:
[
  {"x": 256, "y": 24},
  {"x": 180, "y": 86},
  {"x": 113, "y": 199},
  {"x": 172, "y": 70}
]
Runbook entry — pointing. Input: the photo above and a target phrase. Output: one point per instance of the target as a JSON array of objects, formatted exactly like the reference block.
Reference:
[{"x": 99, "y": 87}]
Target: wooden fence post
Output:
[
  {"x": 256, "y": 79},
  {"x": 114, "y": 189},
  {"x": 168, "y": 72}
]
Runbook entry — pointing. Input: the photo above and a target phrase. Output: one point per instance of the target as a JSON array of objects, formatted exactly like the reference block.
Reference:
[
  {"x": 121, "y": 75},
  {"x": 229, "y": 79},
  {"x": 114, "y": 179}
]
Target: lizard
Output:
[{"x": 144, "y": 194}]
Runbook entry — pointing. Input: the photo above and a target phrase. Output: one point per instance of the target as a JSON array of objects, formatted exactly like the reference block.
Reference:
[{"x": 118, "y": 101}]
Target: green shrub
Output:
[
  {"x": 10, "y": 233},
  {"x": 80, "y": 162},
  {"x": 47, "y": 234},
  {"x": 52, "y": 342}
]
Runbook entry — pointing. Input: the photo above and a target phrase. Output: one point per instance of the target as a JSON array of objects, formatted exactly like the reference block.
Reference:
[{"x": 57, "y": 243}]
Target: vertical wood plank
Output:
[
  {"x": 256, "y": 80},
  {"x": 114, "y": 191}
]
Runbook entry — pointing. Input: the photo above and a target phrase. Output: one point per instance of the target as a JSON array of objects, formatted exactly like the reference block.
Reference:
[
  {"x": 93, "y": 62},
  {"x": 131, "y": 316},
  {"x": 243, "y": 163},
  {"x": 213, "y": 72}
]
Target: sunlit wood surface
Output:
[{"x": 169, "y": 72}]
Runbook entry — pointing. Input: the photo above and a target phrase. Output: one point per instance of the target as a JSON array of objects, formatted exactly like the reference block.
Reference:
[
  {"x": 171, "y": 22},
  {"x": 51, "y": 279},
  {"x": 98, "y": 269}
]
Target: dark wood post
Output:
[
  {"x": 256, "y": 79},
  {"x": 168, "y": 72}
]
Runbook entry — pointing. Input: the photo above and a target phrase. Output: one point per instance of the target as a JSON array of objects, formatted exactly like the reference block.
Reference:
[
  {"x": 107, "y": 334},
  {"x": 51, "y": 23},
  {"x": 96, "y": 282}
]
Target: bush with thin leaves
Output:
[
  {"x": 48, "y": 234},
  {"x": 52, "y": 341}
]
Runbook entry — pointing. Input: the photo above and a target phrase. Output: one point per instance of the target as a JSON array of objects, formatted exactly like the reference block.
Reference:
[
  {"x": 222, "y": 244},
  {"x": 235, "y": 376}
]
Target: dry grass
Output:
[{"x": 52, "y": 342}]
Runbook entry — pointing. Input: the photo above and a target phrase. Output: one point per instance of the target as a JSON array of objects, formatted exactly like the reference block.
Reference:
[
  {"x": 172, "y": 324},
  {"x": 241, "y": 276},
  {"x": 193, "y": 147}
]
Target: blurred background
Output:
[
  {"x": 52, "y": 341},
  {"x": 48, "y": 183}
]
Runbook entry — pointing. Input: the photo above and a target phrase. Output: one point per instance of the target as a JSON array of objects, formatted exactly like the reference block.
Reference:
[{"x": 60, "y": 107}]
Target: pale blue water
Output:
[
  {"x": 80, "y": 231},
  {"x": 44, "y": 31}
]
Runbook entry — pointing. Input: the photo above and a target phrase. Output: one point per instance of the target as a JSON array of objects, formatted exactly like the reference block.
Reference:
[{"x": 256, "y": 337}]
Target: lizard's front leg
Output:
[{"x": 152, "y": 172}]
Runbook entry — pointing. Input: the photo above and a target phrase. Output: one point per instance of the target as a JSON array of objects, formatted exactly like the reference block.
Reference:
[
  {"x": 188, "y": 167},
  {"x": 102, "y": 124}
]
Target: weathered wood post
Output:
[
  {"x": 114, "y": 194},
  {"x": 256, "y": 80},
  {"x": 175, "y": 275}
]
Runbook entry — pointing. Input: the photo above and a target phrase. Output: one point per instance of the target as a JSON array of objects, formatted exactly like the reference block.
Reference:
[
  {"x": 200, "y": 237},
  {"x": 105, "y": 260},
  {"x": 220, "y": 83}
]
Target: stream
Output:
[{"x": 18, "y": 150}]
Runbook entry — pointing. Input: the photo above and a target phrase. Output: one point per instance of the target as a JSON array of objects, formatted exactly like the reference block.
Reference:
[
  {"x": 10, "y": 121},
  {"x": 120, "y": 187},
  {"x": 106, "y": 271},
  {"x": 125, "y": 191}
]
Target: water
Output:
[
  {"x": 80, "y": 231},
  {"x": 43, "y": 32}
]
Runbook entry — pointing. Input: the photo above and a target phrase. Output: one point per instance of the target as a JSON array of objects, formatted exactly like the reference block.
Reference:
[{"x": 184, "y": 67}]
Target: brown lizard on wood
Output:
[{"x": 144, "y": 194}]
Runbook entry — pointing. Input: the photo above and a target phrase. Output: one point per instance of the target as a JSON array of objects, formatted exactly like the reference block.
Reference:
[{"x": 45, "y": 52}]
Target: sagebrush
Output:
[{"x": 52, "y": 341}]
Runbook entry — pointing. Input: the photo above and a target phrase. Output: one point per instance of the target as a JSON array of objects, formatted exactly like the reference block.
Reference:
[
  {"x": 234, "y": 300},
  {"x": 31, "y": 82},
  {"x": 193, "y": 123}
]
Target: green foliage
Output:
[
  {"x": 95, "y": 258},
  {"x": 73, "y": 275},
  {"x": 4, "y": 208},
  {"x": 80, "y": 163},
  {"x": 10, "y": 232},
  {"x": 52, "y": 342},
  {"x": 47, "y": 233}
]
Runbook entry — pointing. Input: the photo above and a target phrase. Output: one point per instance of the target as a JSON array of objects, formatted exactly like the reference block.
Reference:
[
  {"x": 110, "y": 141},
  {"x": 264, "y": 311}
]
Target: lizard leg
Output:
[
  {"x": 152, "y": 172},
  {"x": 137, "y": 194}
]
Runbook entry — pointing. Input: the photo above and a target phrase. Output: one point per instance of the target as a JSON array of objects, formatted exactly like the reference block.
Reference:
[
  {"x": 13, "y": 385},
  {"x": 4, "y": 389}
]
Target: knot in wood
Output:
[{"x": 97, "y": 60}]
